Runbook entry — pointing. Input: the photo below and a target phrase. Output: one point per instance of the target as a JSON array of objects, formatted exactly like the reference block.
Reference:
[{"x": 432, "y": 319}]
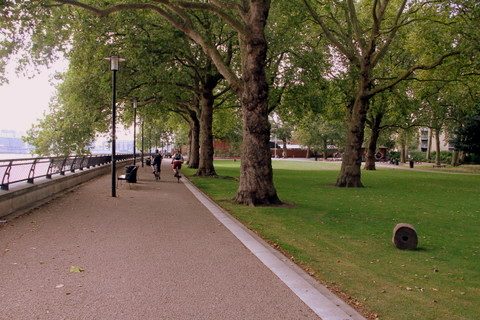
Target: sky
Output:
[{"x": 23, "y": 101}]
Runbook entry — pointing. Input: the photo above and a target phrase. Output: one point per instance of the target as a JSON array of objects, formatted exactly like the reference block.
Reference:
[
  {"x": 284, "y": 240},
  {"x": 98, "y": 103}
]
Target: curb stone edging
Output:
[{"x": 316, "y": 296}]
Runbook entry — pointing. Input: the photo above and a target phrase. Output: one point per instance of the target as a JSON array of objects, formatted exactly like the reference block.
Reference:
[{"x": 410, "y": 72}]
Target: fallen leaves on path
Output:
[{"x": 76, "y": 269}]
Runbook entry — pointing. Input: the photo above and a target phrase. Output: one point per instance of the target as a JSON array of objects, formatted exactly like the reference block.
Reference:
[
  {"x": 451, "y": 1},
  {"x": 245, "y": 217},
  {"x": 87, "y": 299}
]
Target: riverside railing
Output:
[{"x": 29, "y": 169}]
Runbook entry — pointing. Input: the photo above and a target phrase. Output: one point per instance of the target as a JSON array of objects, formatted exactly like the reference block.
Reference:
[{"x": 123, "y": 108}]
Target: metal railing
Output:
[{"x": 30, "y": 169}]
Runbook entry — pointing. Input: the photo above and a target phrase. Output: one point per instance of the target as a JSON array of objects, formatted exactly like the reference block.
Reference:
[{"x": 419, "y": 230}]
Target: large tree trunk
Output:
[
  {"x": 256, "y": 176},
  {"x": 193, "y": 159},
  {"x": 350, "y": 172},
  {"x": 206, "y": 167},
  {"x": 437, "y": 145},
  {"x": 372, "y": 144}
]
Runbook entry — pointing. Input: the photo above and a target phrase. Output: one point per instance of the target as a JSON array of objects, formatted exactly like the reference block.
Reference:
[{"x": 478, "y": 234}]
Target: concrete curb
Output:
[{"x": 316, "y": 296}]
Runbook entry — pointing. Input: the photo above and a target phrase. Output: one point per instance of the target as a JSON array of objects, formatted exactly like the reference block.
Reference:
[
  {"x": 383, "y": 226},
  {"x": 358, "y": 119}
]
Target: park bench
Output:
[
  {"x": 130, "y": 175},
  {"x": 439, "y": 166}
]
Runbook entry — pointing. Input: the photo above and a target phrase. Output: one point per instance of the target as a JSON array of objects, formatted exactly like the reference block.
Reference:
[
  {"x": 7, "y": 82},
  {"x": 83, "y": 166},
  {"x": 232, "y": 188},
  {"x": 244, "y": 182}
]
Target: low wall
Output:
[{"x": 16, "y": 202}]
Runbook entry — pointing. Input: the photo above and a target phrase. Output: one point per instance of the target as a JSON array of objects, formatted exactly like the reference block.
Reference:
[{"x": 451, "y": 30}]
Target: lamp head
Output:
[{"x": 114, "y": 62}]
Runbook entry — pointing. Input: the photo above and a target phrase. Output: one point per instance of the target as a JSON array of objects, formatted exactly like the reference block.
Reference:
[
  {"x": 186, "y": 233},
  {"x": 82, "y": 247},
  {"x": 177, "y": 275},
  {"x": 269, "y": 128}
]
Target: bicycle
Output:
[
  {"x": 156, "y": 165},
  {"x": 177, "y": 165},
  {"x": 156, "y": 174},
  {"x": 156, "y": 171},
  {"x": 177, "y": 174}
]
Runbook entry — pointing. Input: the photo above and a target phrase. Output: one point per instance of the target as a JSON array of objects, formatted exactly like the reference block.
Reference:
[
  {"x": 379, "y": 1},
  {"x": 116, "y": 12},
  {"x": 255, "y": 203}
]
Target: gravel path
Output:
[{"x": 154, "y": 252}]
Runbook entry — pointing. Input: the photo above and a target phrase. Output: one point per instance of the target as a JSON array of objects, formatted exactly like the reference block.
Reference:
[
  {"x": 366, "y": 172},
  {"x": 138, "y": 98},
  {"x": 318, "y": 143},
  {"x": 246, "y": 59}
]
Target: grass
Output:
[
  {"x": 464, "y": 168},
  {"x": 343, "y": 236}
]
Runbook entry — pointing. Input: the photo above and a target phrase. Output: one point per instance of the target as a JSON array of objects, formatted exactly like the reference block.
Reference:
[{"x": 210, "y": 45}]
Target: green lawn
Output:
[
  {"x": 343, "y": 236},
  {"x": 464, "y": 168}
]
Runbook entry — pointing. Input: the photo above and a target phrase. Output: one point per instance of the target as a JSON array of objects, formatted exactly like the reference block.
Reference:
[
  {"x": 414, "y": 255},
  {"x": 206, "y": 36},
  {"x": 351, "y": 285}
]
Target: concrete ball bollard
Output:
[{"x": 405, "y": 237}]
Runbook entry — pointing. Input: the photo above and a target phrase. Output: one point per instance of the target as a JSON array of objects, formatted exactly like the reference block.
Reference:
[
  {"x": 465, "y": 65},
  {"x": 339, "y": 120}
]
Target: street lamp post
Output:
[
  {"x": 134, "y": 130},
  {"x": 114, "y": 62},
  {"x": 142, "y": 141}
]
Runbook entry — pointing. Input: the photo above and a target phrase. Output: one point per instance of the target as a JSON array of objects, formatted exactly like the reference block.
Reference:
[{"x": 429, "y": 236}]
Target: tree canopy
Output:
[{"x": 327, "y": 69}]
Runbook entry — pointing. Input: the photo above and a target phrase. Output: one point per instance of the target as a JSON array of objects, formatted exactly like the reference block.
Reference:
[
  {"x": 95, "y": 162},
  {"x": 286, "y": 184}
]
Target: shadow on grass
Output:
[
  {"x": 282, "y": 205},
  {"x": 226, "y": 178},
  {"x": 216, "y": 177},
  {"x": 421, "y": 249}
]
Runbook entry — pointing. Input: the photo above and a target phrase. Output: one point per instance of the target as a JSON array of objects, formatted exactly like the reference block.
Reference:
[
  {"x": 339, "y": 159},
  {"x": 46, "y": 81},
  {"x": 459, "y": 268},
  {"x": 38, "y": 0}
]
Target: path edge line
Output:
[{"x": 316, "y": 296}]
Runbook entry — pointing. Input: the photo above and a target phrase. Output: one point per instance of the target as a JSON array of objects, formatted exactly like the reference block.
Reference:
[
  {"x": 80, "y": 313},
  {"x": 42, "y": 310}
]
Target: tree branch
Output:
[
  {"x": 182, "y": 25},
  {"x": 357, "y": 30},
  {"x": 216, "y": 8},
  {"x": 411, "y": 70},
  {"x": 221, "y": 93},
  {"x": 381, "y": 52},
  {"x": 344, "y": 50},
  {"x": 112, "y": 9}
]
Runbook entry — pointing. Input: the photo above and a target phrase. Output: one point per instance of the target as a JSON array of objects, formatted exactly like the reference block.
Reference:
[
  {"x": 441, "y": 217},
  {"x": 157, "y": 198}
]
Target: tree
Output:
[
  {"x": 284, "y": 133},
  {"x": 362, "y": 33},
  {"x": 316, "y": 132},
  {"x": 248, "y": 19},
  {"x": 467, "y": 136},
  {"x": 391, "y": 112},
  {"x": 226, "y": 128},
  {"x": 374, "y": 122}
]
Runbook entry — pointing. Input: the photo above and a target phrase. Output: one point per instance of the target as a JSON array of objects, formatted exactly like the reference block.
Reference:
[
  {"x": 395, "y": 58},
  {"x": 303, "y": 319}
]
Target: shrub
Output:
[
  {"x": 418, "y": 156},
  {"x": 472, "y": 158},
  {"x": 445, "y": 156},
  {"x": 394, "y": 155}
]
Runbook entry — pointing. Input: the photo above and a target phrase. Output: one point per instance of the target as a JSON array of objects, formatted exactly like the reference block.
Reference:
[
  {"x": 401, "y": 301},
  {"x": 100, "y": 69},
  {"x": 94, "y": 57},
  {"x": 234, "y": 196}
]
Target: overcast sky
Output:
[{"x": 23, "y": 101}]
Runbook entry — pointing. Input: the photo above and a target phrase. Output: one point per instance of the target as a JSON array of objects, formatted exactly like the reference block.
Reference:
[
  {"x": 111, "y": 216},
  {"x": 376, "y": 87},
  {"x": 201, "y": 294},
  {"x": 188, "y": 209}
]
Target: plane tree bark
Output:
[{"x": 207, "y": 100}]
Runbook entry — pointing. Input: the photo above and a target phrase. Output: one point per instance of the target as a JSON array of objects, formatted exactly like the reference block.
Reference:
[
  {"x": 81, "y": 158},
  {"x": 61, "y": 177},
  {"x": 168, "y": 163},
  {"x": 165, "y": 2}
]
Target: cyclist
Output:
[
  {"x": 177, "y": 160},
  {"x": 157, "y": 161}
]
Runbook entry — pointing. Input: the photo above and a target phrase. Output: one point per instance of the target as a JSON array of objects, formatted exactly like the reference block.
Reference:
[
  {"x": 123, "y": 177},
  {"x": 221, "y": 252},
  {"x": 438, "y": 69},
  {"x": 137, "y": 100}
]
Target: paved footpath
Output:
[{"x": 154, "y": 252}]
